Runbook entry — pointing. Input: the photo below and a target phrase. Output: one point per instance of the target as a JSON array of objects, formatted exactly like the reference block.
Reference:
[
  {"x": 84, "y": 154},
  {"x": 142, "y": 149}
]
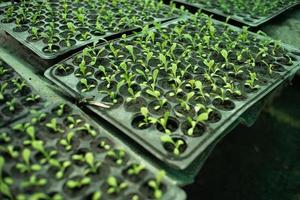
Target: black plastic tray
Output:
[
  {"x": 150, "y": 138},
  {"x": 22, "y": 106},
  {"x": 38, "y": 47},
  {"x": 82, "y": 143},
  {"x": 242, "y": 18}
]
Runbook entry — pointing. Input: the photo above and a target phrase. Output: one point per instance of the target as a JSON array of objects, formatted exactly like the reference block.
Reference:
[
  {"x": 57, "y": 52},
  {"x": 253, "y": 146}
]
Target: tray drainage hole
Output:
[
  {"x": 167, "y": 127},
  {"x": 139, "y": 122},
  {"x": 226, "y": 105},
  {"x": 214, "y": 116},
  {"x": 175, "y": 145},
  {"x": 51, "y": 49},
  {"x": 193, "y": 129}
]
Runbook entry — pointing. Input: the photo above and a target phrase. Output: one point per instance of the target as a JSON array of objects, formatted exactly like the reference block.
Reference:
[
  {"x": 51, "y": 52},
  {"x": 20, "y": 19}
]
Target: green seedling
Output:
[
  {"x": 135, "y": 169},
  {"x": 251, "y": 82},
  {"x": 163, "y": 62},
  {"x": 4, "y": 137},
  {"x": 83, "y": 69},
  {"x": 38, "y": 145},
  {"x": 115, "y": 186},
  {"x": 184, "y": 103},
  {"x": 61, "y": 166},
  {"x": 222, "y": 96},
  {"x": 156, "y": 184},
  {"x": 87, "y": 87},
  {"x": 19, "y": 84},
  {"x": 89, "y": 129},
  {"x": 93, "y": 165},
  {"x": 67, "y": 142},
  {"x": 104, "y": 145},
  {"x": 133, "y": 95},
  {"x": 163, "y": 121},
  {"x": 34, "y": 182},
  {"x": 176, "y": 144},
  {"x": 71, "y": 28},
  {"x": 114, "y": 50},
  {"x": 54, "y": 126},
  {"x": 60, "y": 110},
  {"x": 31, "y": 132},
  {"x": 10, "y": 150},
  {"x": 210, "y": 64},
  {"x": 3, "y": 71},
  {"x": 130, "y": 50},
  {"x": 146, "y": 120},
  {"x": 33, "y": 98},
  {"x": 4, "y": 182},
  {"x": 231, "y": 88},
  {"x": 26, "y": 166},
  {"x": 2, "y": 90},
  {"x": 201, "y": 118},
  {"x": 117, "y": 155},
  {"x": 76, "y": 184},
  {"x": 34, "y": 33},
  {"x": 73, "y": 122},
  {"x": 11, "y": 104},
  {"x": 199, "y": 87}
]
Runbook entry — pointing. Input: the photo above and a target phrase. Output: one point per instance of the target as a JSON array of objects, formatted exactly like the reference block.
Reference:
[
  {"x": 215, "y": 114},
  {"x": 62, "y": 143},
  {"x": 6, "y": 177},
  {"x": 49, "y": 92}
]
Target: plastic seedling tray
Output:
[
  {"x": 17, "y": 97},
  {"x": 245, "y": 15},
  {"x": 59, "y": 152},
  {"x": 4, "y": 3},
  {"x": 190, "y": 92},
  {"x": 52, "y": 28}
]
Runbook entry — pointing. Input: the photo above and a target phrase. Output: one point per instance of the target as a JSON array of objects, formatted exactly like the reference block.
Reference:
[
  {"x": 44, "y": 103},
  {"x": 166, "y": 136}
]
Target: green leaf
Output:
[
  {"x": 4, "y": 189},
  {"x": 202, "y": 117},
  {"x": 144, "y": 111},
  {"x": 85, "y": 181},
  {"x": 72, "y": 184},
  {"x": 2, "y": 162},
  {"x": 38, "y": 145},
  {"x": 166, "y": 139},
  {"x": 54, "y": 163},
  {"x": 152, "y": 184},
  {"x": 26, "y": 155},
  {"x": 89, "y": 158},
  {"x": 149, "y": 56},
  {"x": 112, "y": 181},
  {"x": 224, "y": 53},
  {"x": 97, "y": 195},
  {"x": 36, "y": 167},
  {"x": 155, "y": 74},
  {"x": 70, "y": 136},
  {"x": 158, "y": 194}
]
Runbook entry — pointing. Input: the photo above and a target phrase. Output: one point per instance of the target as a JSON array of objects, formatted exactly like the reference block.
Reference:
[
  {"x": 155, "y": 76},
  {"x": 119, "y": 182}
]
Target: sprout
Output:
[
  {"x": 156, "y": 184},
  {"x": 251, "y": 82},
  {"x": 26, "y": 166},
  {"x": 54, "y": 126},
  {"x": 67, "y": 142},
  {"x": 115, "y": 186},
  {"x": 72, "y": 184}
]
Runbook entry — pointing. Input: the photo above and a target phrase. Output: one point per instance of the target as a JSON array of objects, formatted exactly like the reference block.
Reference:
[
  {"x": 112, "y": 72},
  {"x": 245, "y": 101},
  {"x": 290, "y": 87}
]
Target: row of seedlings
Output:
[
  {"x": 250, "y": 12},
  {"x": 51, "y": 28},
  {"x": 61, "y": 154},
  {"x": 17, "y": 97}
]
